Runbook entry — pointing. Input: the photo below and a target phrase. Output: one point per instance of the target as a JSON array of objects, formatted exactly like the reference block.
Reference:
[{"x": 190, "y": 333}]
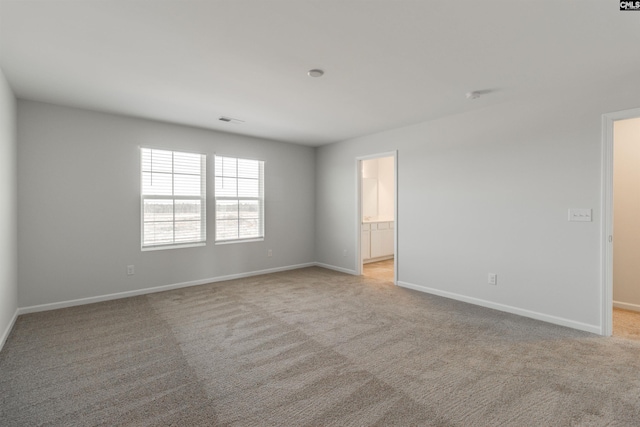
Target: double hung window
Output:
[
  {"x": 239, "y": 190},
  {"x": 173, "y": 199}
]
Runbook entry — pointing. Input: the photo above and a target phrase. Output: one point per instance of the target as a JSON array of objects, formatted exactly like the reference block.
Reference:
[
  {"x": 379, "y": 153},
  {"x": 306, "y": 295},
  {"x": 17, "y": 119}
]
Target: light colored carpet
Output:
[{"x": 309, "y": 347}]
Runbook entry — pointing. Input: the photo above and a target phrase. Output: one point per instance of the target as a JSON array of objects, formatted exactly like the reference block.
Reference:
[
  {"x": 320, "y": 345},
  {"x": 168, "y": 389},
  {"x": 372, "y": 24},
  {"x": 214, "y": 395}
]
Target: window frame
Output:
[
  {"x": 260, "y": 199},
  {"x": 202, "y": 198}
]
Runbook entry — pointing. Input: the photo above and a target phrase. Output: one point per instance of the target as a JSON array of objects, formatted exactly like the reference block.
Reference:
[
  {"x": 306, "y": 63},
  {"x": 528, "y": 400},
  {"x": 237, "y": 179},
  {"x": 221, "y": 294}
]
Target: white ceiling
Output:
[{"x": 387, "y": 63}]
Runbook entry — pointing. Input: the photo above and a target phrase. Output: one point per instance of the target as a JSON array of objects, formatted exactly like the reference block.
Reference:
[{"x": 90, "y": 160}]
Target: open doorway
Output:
[
  {"x": 626, "y": 232},
  {"x": 377, "y": 217},
  {"x": 620, "y": 232}
]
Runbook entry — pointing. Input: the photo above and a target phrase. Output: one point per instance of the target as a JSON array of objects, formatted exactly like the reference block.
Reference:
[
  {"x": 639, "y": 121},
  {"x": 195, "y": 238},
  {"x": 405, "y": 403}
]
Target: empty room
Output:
[{"x": 319, "y": 213}]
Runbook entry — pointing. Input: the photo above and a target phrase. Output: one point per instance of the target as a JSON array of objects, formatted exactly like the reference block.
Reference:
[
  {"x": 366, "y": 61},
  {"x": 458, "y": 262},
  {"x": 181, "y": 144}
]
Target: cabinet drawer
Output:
[
  {"x": 366, "y": 227},
  {"x": 374, "y": 226},
  {"x": 383, "y": 226}
]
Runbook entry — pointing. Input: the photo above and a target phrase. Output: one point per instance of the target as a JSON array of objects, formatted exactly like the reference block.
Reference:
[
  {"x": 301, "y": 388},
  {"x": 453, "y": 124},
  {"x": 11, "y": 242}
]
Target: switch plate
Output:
[
  {"x": 579, "y": 215},
  {"x": 131, "y": 270},
  {"x": 493, "y": 279},
  {"x": 269, "y": 253}
]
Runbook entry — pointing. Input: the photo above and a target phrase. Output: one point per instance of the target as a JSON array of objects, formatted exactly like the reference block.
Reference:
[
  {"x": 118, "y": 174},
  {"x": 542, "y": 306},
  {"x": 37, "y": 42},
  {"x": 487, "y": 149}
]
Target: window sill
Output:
[
  {"x": 180, "y": 246},
  {"x": 229, "y": 242}
]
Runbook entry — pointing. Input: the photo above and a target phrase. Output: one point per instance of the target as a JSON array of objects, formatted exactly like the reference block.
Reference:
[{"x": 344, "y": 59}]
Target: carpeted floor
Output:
[{"x": 310, "y": 347}]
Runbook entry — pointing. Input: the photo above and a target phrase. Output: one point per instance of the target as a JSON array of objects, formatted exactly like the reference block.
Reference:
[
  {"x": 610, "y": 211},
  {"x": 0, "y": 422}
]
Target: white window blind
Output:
[
  {"x": 239, "y": 199},
  {"x": 173, "y": 199}
]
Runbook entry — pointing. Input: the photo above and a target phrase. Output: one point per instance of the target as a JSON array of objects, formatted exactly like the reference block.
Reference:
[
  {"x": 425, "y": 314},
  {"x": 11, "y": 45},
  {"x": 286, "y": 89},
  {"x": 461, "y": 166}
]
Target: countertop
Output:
[{"x": 369, "y": 220}]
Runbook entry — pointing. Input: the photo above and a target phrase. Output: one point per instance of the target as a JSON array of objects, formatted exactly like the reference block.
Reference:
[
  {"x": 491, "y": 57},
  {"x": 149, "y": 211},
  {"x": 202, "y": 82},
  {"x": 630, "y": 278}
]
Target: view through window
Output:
[
  {"x": 173, "y": 199},
  {"x": 239, "y": 187}
]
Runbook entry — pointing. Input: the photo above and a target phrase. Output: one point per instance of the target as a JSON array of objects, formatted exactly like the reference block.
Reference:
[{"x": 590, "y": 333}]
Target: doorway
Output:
[
  {"x": 620, "y": 234},
  {"x": 626, "y": 237},
  {"x": 377, "y": 219}
]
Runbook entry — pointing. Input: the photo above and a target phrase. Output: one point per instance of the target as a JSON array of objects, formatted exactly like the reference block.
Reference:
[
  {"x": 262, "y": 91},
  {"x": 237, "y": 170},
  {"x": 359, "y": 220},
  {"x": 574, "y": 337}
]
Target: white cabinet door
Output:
[
  {"x": 382, "y": 241},
  {"x": 387, "y": 242},
  {"x": 376, "y": 243},
  {"x": 365, "y": 243}
]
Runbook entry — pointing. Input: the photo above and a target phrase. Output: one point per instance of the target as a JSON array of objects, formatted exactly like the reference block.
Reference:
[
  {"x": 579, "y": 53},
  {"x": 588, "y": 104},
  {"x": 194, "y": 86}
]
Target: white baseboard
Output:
[
  {"x": 626, "y": 306},
  {"x": 496, "y": 306},
  {"x": 7, "y": 331},
  {"x": 506, "y": 308},
  {"x": 108, "y": 297},
  {"x": 334, "y": 268}
]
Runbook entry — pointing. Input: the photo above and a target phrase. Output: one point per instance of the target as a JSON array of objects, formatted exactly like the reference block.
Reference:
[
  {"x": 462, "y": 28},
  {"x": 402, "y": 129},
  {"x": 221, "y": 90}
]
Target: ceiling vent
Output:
[{"x": 229, "y": 119}]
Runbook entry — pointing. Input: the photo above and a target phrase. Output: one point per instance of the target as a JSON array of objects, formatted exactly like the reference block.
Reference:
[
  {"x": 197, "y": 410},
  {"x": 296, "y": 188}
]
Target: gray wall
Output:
[
  {"x": 79, "y": 205},
  {"x": 485, "y": 191},
  {"x": 8, "y": 211},
  {"x": 488, "y": 192}
]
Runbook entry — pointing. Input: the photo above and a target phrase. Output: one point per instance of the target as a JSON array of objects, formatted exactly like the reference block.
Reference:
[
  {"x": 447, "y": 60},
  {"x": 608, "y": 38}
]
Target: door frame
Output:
[
  {"x": 358, "y": 167},
  {"x": 606, "y": 248}
]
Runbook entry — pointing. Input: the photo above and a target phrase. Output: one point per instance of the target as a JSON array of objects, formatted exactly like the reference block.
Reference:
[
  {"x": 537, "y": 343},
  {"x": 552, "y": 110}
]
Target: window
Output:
[
  {"x": 173, "y": 199},
  {"x": 239, "y": 199}
]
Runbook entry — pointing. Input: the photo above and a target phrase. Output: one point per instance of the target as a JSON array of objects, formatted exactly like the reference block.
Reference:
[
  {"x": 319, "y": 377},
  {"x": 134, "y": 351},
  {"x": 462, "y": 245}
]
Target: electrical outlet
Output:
[
  {"x": 269, "y": 252},
  {"x": 493, "y": 279},
  {"x": 131, "y": 270},
  {"x": 344, "y": 252}
]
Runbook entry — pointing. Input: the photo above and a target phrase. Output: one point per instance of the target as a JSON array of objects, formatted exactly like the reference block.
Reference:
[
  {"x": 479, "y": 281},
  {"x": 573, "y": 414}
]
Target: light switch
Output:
[{"x": 580, "y": 215}]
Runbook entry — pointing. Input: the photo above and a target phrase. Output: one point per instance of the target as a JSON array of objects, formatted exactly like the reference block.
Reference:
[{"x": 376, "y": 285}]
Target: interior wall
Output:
[
  {"x": 369, "y": 189},
  {"x": 626, "y": 209},
  {"x": 488, "y": 191},
  {"x": 386, "y": 187},
  {"x": 380, "y": 170},
  {"x": 8, "y": 210},
  {"x": 79, "y": 205},
  {"x": 370, "y": 168}
]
